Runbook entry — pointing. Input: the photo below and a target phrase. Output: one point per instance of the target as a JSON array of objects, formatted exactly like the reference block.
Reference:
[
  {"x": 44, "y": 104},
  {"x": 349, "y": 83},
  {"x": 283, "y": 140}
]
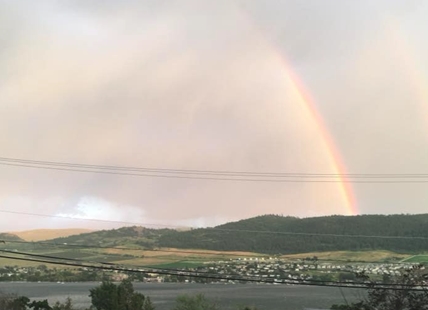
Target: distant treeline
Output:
[
  {"x": 9, "y": 237},
  {"x": 273, "y": 234},
  {"x": 269, "y": 234}
]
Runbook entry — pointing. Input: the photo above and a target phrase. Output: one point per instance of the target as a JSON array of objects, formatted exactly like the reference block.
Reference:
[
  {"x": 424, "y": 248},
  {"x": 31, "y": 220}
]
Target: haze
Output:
[{"x": 209, "y": 86}]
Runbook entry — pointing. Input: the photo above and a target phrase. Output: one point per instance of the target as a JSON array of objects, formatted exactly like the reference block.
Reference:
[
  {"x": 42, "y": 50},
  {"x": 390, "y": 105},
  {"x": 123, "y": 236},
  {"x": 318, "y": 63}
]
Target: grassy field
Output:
[
  {"x": 162, "y": 258},
  {"x": 179, "y": 265},
  {"x": 351, "y": 256},
  {"x": 179, "y": 258},
  {"x": 416, "y": 259},
  {"x": 47, "y": 234}
]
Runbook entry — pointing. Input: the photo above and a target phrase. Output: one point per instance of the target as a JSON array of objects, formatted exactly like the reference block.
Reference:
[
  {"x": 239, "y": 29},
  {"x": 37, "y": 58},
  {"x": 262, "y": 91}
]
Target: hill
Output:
[
  {"x": 286, "y": 235},
  {"x": 46, "y": 234},
  {"x": 271, "y": 234},
  {"x": 125, "y": 236},
  {"x": 9, "y": 237}
]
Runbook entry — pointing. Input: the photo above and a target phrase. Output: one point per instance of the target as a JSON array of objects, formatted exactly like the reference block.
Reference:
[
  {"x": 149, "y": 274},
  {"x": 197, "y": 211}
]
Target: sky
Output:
[{"x": 308, "y": 86}]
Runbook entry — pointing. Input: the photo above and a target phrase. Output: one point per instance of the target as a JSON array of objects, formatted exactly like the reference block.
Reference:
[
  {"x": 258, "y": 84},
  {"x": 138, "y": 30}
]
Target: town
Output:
[{"x": 239, "y": 270}]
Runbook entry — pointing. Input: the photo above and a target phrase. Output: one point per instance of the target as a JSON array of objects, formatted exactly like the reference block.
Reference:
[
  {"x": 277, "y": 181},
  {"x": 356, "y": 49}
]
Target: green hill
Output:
[
  {"x": 9, "y": 237},
  {"x": 285, "y": 235},
  {"x": 272, "y": 234},
  {"x": 125, "y": 236}
]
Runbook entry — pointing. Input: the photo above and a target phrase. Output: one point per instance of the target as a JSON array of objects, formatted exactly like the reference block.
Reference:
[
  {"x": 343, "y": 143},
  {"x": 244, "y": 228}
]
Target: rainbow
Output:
[{"x": 307, "y": 103}]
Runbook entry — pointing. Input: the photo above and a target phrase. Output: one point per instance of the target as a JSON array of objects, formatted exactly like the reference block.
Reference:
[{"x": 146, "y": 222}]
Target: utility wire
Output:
[
  {"x": 106, "y": 263},
  {"x": 158, "y": 226},
  {"x": 224, "y": 254},
  {"x": 162, "y": 269},
  {"x": 288, "y": 233},
  {"x": 399, "y": 287},
  {"x": 215, "y": 172},
  {"x": 105, "y": 268},
  {"x": 221, "y": 176},
  {"x": 95, "y": 246}
]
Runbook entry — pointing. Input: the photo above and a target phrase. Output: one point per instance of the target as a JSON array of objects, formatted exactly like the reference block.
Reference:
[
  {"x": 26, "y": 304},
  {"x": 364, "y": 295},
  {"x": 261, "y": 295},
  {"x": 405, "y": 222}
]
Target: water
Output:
[{"x": 163, "y": 295}]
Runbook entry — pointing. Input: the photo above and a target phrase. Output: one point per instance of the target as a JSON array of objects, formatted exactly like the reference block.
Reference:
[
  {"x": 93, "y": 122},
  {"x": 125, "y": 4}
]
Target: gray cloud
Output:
[{"x": 193, "y": 85}]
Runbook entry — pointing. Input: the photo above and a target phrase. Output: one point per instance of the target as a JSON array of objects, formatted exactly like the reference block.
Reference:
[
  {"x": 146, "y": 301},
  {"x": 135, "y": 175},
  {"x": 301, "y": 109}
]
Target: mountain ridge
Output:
[
  {"x": 48, "y": 233},
  {"x": 274, "y": 234}
]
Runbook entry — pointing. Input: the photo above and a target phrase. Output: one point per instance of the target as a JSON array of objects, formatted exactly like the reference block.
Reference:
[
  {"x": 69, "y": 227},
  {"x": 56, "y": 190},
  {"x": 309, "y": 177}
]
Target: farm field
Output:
[
  {"x": 165, "y": 258},
  {"x": 179, "y": 258},
  {"x": 46, "y": 234},
  {"x": 422, "y": 258},
  {"x": 353, "y": 256}
]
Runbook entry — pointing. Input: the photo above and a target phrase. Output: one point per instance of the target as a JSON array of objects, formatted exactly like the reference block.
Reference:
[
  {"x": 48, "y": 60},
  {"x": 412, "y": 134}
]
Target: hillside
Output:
[
  {"x": 251, "y": 234},
  {"x": 9, "y": 237},
  {"x": 125, "y": 236},
  {"x": 46, "y": 234},
  {"x": 273, "y": 234}
]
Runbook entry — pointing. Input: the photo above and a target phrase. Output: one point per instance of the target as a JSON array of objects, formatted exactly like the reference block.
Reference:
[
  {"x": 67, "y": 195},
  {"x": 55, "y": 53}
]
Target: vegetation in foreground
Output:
[
  {"x": 399, "y": 295},
  {"x": 408, "y": 292},
  {"x": 110, "y": 296}
]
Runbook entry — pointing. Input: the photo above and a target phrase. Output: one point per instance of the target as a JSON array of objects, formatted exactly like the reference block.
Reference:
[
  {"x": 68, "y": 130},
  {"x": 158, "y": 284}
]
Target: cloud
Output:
[
  {"x": 192, "y": 85},
  {"x": 102, "y": 210}
]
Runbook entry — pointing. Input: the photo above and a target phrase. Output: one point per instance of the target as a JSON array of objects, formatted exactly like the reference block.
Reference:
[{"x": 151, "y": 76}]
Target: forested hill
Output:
[
  {"x": 273, "y": 234},
  {"x": 125, "y": 236},
  {"x": 9, "y": 237},
  {"x": 281, "y": 235}
]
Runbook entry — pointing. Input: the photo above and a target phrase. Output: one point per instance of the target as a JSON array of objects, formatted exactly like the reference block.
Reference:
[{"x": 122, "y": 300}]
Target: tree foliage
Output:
[
  {"x": 68, "y": 305},
  {"x": 13, "y": 302},
  {"x": 197, "y": 302},
  {"x": 402, "y": 297},
  {"x": 109, "y": 296},
  {"x": 306, "y": 235},
  {"x": 295, "y": 235}
]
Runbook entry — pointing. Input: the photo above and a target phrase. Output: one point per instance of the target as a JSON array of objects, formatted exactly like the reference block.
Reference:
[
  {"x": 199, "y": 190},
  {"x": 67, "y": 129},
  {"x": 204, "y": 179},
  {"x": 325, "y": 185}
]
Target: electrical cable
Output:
[
  {"x": 279, "y": 178},
  {"x": 408, "y": 287},
  {"x": 215, "y": 172},
  {"x": 289, "y": 233}
]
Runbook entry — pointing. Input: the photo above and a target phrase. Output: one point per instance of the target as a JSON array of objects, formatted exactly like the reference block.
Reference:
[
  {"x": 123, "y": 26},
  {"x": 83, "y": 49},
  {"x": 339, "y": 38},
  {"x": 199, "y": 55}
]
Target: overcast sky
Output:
[{"x": 208, "y": 85}]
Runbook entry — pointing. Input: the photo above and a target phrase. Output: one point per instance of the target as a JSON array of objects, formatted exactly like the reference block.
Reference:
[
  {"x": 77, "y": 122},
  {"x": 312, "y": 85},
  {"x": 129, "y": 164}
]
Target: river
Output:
[{"x": 230, "y": 296}]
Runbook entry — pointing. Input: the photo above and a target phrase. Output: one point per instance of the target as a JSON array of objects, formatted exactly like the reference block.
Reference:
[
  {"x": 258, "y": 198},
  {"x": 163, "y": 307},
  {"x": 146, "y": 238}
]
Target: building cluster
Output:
[
  {"x": 240, "y": 270},
  {"x": 281, "y": 271}
]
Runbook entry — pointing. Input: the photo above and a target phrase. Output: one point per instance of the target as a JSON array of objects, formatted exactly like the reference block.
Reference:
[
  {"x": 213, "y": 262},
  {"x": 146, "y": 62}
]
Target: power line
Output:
[
  {"x": 94, "y": 220},
  {"x": 161, "y": 250},
  {"x": 214, "y": 172},
  {"x": 289, "y": 233},
  {"x": 160, "y": 272},
  {"x": 207, "y": 275},
  {"x": 102, "y": 263},
  {"x": 217, "y": 175},
  {"x": 224, "y": 254}
]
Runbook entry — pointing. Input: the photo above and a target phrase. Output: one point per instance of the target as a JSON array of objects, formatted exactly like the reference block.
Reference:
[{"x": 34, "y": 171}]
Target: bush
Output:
[
  {"x": 13, "y": 302},
  {"x": 401, "y": 296},
  {"x": 109, "y": 296},
  {"x": 197, "y": 302}
]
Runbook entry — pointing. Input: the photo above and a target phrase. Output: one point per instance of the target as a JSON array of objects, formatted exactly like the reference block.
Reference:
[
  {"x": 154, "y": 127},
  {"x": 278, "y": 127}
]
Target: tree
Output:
[
  {"x": 401, "y": 296},
  {"x": 40, "y": 305},
  {"x": 109, "y": 296},
  {"x": 104, "y": 297},
  {"x": 13, "y": 302},
  {"x": 197, "y": 302},
  {"x": 68, "y": 305}
]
